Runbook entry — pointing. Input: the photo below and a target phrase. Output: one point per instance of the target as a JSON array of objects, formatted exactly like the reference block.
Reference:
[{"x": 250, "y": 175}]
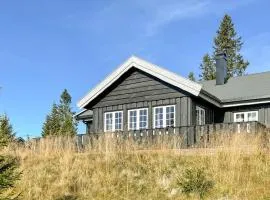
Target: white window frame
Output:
[
  {"x": 137, "y": 118},
  {"x": 113, "y": 121},
  {"x": 201, "y": 121},
  {"x": 164, "y": 116},
  {"x": 246, "y": 116}
]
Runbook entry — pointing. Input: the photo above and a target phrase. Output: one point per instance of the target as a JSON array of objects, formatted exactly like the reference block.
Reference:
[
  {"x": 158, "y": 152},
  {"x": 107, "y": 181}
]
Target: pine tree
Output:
[
  {"x": 228, "y": 42},
  {"x": 207, "y": 68},
  {"x": 6, "y": 131},
  {"x": 191, "y": 76}
]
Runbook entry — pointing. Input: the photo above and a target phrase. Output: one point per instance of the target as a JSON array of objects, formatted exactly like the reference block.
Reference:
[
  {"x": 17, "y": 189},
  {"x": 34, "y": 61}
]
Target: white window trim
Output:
[
  {"x": 200, "y": 109},
  {"x": 138, "y": 118},
  {"x": 113, "y": 121},
  {"x": 245, "y": 115},
  {"x": 164, "y": 116}
]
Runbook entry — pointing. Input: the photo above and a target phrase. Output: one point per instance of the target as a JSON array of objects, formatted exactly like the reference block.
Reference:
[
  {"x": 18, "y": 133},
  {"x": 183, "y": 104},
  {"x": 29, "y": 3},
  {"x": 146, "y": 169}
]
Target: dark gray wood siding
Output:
[
  {"x": 209, "y": 110},
  {"x": 137, "y": 86},
  {"x": 137, "y": 89},
  {"x": 183, "y": 107},
  {"x": 227, "y": 115}
]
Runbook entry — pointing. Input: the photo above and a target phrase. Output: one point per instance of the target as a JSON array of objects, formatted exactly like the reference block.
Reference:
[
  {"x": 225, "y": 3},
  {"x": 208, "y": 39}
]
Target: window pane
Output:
[
  {"x": 203, "y": 117},
  {"x": 200, "y": 116},
  {"x": 159, "y": 117},
  {"x": 143, "y": 119},
  {"x": 118, "y": 121},
  {"x": 170, "y": 116},
  {"x": 239, "y": 117},
  {"x": 108, "y": 121},
  {"x": 132, "y": 119},
  {"x": 252, "y": 116}
]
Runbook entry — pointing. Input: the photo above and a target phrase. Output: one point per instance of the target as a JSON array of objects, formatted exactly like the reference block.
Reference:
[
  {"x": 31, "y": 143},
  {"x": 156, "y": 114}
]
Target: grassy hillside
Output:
[{"x": 238, "y": 168}]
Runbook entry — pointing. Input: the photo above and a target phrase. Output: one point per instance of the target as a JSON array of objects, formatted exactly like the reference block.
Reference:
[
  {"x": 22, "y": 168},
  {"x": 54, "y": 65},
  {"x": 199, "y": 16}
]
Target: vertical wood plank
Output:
[
  {"x": 125, "y": 117},
  {"x": 178, "y": 112},
  {"x": 150, "y": 115},
  {"x": 100, "y": 118},
  {"x": 184, "y": 112}
]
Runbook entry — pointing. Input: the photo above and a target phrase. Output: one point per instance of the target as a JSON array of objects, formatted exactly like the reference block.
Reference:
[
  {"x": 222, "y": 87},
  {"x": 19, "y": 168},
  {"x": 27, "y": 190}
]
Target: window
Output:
[
  {"x": 200, "y": 116},
  {"x": 138, "y": 119},
  {"x": 108, "y": 121},
  {"x": 113, "y": 121},
  {"x": 164, "y": 116},
  {"x": 246, "y": 116}
]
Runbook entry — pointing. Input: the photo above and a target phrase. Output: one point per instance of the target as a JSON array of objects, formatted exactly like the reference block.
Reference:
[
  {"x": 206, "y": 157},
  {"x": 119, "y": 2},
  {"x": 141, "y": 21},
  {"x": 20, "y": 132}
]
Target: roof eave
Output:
[
  {"x": 246, "y": 102},
  {"x": 210, "y": 98}
]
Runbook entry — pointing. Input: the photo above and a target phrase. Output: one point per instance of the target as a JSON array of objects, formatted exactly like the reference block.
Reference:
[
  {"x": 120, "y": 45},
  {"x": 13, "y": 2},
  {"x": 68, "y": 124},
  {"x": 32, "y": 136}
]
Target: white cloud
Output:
[
  {"x": 161, "y": 14},
  {"x": 149, "y": 16},
  {"x": 179, "y": 10}
]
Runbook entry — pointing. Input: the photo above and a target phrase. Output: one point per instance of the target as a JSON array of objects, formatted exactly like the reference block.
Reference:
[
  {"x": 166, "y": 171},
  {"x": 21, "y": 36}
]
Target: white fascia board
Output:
[
  {"x": 244, "y": 104},
  {"x": 169, "y": 77}
]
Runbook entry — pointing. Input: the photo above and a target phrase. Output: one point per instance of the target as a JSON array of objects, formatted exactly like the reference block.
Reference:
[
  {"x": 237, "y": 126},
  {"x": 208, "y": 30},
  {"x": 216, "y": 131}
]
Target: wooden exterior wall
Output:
[
  {"x": 137, "y": 89},
  {"x": 227, "y": 115}
]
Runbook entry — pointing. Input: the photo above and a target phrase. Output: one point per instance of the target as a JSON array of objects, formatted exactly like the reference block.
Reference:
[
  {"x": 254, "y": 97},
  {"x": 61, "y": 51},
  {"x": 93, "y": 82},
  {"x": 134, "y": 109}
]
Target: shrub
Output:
[
  {"x": 195, "y": 181},
  {"x": 8, "y": 173}
]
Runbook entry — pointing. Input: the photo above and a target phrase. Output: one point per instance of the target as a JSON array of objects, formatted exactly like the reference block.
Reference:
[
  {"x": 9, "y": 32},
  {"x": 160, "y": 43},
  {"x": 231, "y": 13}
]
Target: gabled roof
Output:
[
  {"x": 154, "y": 70},
  {"x": 253, "y": 87}
]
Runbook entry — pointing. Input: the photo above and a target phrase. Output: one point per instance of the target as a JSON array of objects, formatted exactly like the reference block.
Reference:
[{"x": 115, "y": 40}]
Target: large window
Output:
[
  {"x": 138, "y": 119},
  {"x": 164, "y": 116},
  {"x": 246, "y": 116},
  {"x": 113, "y": 121},
  {"x": 200, "y": 116}
]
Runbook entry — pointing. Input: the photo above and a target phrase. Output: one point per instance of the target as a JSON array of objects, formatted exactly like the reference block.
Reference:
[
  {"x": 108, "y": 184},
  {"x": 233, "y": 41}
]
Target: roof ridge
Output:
[
  {"x": 256, "y": 73},
  {"x": 236, "y": 77}
]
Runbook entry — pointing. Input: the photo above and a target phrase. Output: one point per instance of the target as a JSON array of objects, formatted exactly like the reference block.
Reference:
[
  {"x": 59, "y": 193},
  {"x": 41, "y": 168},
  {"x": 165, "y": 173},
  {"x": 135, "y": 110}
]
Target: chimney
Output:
[{"x": 221, "y": 68}]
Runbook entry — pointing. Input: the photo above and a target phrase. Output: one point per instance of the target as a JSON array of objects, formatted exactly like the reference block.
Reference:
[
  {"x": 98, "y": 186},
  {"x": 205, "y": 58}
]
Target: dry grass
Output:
[{"x": 239, "y": 166}]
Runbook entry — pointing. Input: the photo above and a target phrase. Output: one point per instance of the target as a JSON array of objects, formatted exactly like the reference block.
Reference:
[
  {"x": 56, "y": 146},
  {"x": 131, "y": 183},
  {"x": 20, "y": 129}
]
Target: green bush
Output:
[
  {"x": 195, "y": 181},
  {"x": 8, "y": 173}
]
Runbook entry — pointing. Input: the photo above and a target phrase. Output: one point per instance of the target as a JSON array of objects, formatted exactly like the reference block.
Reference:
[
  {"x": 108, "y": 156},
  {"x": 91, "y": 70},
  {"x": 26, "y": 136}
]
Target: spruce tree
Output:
[
  {"x": 68, "y": 126},
  {"x": 60, "y": 121},
  {"x": 228, "y": 42},
  {"x": 9, "y": 174},
  {"x": 6, "y": 131},
  {"x": 191, "y": 76},
  {"x": 52, "y": 124},
  {"x": 208, "y": 70}
]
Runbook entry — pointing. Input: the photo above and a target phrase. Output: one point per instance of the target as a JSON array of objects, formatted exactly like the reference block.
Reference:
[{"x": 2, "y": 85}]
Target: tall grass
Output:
[{"x": 238, "y": 166}]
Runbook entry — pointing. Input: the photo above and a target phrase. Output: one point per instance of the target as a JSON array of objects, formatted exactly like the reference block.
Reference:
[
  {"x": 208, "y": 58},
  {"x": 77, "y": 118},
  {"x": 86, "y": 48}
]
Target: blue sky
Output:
[{"x": 46, "y": 46}]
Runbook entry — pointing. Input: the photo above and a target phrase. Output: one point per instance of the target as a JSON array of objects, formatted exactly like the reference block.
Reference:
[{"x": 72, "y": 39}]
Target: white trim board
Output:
[
  {"x": 154, "y": 70},
  {"x": 227, "y": 105}
]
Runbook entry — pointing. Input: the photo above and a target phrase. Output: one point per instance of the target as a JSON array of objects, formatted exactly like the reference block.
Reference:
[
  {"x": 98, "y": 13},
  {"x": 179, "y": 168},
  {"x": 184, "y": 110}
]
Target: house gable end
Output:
[
  {"x": 157, "y": 72},
  {"x": 136, "y": 86}
]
